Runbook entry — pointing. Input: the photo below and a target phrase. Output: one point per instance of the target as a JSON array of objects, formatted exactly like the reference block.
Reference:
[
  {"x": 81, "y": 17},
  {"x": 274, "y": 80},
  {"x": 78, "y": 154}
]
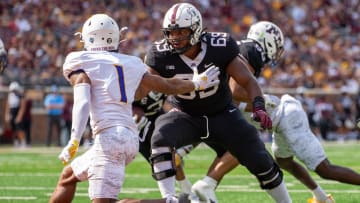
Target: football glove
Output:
[
  {"x": 206, "y": 79},
  {"x": 69, "y": 151},
  {"x": 259, "y": 113}
]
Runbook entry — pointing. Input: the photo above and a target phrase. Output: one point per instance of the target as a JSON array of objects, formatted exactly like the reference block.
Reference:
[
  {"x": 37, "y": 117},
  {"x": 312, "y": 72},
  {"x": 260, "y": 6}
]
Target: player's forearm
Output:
[
  {"x": 177, "y": 86},
  {"x": 253, "y": 90},
  {"x": 81, "y": 109}
]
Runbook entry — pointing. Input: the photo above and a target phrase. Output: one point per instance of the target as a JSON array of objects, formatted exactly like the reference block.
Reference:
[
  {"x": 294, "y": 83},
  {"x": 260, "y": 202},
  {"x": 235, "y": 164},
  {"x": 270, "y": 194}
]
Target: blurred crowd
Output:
[{"x": 322, "y": 46}]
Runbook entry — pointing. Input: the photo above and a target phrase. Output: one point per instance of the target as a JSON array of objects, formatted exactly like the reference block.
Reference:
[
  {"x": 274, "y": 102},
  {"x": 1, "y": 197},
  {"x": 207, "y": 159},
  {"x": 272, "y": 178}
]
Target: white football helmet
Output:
[
  {"x": 270, "y": 37},
  {"x": 183, "y": 15},
  {"x": 100, "y": 33}
]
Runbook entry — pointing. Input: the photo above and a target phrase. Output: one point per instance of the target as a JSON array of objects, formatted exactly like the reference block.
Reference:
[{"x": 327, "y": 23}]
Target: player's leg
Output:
[
  {"x": 72, "y": 174},
  {"x": 342, "y": 174},
  {"x": 296, "y": 139},
  {"x": 243, "y": 142},
  {"x": 183, "y": 198},
  {"x": 184, "y": 183},
  {"x": 113, "y": 149},
  {"x": 298, "y": 171},
  {"x": 65, "y": 188},
  {"x": 205, "y": 188},
  {"x": 165, "y": 139}
]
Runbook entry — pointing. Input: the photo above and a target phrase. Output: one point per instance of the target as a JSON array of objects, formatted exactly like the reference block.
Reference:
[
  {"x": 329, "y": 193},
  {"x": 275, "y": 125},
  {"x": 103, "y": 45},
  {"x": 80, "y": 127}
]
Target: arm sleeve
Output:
[{"x": 81, "y": 109}]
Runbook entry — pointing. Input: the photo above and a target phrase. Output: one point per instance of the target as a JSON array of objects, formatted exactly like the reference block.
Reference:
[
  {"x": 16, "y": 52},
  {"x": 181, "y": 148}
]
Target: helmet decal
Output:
[{"x": 173, "y": 16}]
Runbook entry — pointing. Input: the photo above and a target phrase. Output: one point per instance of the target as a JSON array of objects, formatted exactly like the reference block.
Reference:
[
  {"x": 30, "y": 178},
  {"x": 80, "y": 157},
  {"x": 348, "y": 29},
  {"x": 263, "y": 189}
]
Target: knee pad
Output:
[
  {"x": 162, "y": 163},
  {"x": 271, "y": 178}
]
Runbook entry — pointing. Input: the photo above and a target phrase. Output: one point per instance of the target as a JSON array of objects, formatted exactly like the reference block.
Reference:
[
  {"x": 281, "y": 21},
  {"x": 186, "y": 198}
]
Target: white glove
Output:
[
  {"x": 206, "y": 79},
  {"x": 69, "y": 151}
]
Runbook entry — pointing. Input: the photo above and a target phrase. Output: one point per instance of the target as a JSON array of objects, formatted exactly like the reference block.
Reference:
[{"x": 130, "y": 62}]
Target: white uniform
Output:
[
  {"x": 292, "y": 135},
  {"x": 114, "y": 80}
]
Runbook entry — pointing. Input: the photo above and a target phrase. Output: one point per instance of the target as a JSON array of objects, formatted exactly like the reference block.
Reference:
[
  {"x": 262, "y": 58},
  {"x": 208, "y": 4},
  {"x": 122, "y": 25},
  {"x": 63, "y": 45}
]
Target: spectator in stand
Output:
[{"x": 54, "y": 104}]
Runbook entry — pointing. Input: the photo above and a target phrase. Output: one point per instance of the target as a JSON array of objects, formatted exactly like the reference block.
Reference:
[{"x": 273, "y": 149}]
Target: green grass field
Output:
[{"x": 30, "y": 175}]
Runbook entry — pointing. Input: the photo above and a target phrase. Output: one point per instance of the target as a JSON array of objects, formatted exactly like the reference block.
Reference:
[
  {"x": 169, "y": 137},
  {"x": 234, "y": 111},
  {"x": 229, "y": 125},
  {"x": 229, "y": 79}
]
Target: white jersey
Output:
[
  {"x": 114, "y": 80},
  {"x": 292, "y": 135}
]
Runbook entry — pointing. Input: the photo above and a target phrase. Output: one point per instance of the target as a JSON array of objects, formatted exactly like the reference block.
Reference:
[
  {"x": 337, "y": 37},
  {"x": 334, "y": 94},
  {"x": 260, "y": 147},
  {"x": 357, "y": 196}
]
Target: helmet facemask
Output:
[{"x": 172, "y": 41}]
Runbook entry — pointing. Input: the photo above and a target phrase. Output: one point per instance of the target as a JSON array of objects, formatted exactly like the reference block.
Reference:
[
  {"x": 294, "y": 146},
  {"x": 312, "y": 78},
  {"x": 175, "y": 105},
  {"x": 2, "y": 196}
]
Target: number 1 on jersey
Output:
[{"x": 120, "y": 72}]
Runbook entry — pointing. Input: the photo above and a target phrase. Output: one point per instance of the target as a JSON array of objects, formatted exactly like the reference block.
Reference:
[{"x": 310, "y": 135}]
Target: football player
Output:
[
  {"x": 291, "y": 134},
  {"x": 146, "y": 111},
  {"x": 3, "y": 57},
  {"x": 207, "y": 116},
  {"x": 105, "y": 83}
]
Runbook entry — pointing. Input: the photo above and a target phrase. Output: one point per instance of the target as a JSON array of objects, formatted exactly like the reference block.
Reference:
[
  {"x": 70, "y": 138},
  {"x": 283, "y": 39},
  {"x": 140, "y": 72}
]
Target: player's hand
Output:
[
  {"x": 259, "y": 113},
  {"x": 206, "y": 79},
  {"x": 69, "y": 151},
  {"x": 263, "y": 118}
]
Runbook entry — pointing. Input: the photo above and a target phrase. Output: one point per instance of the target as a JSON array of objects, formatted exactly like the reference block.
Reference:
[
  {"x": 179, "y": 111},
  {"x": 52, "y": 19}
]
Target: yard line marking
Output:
[
  {"x": 23, "y": 188},
  {"x": 17, "y": 198}
]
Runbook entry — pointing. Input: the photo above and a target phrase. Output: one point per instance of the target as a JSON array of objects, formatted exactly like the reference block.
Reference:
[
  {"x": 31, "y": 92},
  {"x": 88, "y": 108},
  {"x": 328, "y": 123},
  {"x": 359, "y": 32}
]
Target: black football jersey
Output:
[
  {"x": 217, "y": 49},
  {"x": 254, "y": 54},
  {"x": 152, "y": 104}
]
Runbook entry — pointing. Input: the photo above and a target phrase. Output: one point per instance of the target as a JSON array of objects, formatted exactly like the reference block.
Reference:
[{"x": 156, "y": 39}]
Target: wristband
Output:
[{"x": 259, "y": 103}]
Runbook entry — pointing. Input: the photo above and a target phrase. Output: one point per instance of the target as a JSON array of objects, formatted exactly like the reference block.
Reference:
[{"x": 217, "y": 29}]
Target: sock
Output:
[
  {"x": 210, "y": 181},
  {"x": 185, "y": 186},
  {"x": 167, "y": 187},
  {"x": 319, "y": 193},
  {"x": 280, "y": 194}
]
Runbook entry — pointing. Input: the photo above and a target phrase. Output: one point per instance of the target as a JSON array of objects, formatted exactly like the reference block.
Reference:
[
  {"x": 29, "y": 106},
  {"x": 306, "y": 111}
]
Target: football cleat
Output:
[
  {"x": 194, "y": 198},
  {"x": 329, "y": 199},
  {"x": 184, "y": 198},
  {"x": 204, "y": 191}
]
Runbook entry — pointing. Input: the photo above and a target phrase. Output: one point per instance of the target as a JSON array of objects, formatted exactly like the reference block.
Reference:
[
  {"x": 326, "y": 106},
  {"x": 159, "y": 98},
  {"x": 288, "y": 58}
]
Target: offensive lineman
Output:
[
  {"x": 291, "y": 135},
  {"x": 105, "y": 83},
  {"x": 207, "y": 116}
]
